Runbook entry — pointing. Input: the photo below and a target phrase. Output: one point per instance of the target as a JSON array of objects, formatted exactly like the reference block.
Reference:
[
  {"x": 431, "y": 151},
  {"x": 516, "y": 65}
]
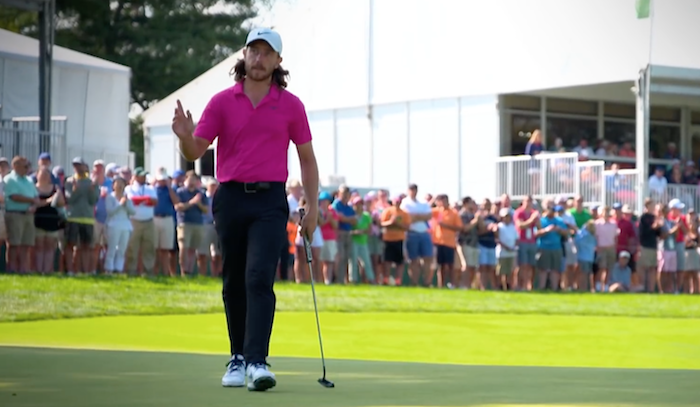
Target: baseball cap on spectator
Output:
[
  {"x": 560, "y": 199},
  {"x": 660, "y": 168},
  {"x": 594, "y": 209},
  {"x": 4, "y": 160},
  {"x": 625, "y": 254},
  {"x": 370, "y": 196},
  {"x": 557, "y": 208},
  {"x": 397, "y": 199},
  {"x": 268, "y": 35},
  {"x": 626, "y": 209},
  {"x": 325, "y": 196},
  {"x": 356, "y": 200},
  {"x": 617, "y": 206},
  {"x": 58, "y": 171},
  {"x": 689, "y": 163},
  {"x": 45, "y": 156},
  {"x": 140, "y": 172},
  {"x": 504, "y": 212},
  {"x": 676, "y": 204},
  {"x": 162, "y": 175},
  {"x": 98, "y": 162},
  {"x": 178, "y": 173},
  {"x": 78, "y": 161}
]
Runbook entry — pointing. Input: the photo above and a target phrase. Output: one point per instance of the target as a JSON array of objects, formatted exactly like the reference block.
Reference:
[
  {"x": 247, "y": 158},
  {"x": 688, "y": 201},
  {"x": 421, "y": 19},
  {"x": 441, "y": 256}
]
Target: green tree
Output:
[
  {"x": 136, "y": 144},
  {"x": 166, "y": 43}
]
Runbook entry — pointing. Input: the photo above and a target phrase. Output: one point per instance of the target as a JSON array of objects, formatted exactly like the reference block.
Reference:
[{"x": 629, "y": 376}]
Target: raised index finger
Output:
[{"x": 179, "y": 107}]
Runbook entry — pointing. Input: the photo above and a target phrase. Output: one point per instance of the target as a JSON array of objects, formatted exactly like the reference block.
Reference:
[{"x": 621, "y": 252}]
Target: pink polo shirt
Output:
[{"x": 253, "y": 142}]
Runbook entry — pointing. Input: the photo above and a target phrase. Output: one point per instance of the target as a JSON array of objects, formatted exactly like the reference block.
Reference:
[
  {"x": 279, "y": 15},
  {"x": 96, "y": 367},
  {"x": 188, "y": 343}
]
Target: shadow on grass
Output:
[{"x": 75, "y": 378}]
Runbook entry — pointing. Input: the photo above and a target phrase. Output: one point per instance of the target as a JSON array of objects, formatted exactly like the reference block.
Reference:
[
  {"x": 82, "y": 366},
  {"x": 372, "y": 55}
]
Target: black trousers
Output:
[{"x": 251, "y": 224}]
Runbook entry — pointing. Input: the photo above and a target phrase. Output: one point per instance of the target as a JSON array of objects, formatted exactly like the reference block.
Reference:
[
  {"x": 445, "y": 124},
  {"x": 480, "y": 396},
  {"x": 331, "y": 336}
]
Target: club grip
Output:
[{"x": 307, "y": 244}]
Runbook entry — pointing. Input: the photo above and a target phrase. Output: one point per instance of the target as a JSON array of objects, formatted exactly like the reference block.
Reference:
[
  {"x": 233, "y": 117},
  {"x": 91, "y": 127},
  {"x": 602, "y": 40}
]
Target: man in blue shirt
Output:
[
  {"x": 45, "y": 162},
  {"x": 550, "y": 230},
  {"x": 100, "y": 232},
  {"x": 346, "y": 221},
  {"x": 190, "y": 221},
  {"x": 164, "y": 214}
]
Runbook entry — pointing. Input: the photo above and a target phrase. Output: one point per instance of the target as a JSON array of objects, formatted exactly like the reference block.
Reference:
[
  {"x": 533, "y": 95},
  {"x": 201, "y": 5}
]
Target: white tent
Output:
[{"x": 91, "y": 94}]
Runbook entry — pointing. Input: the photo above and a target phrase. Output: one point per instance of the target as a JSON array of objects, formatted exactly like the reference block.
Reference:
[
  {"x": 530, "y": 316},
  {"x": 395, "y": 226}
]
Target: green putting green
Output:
[
  {"x": 77, "y": 378},
  {"x": 535, "y": 360}
]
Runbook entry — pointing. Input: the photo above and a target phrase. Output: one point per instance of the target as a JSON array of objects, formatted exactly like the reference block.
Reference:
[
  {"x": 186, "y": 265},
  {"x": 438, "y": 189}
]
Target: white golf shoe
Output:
[
  {"x": 235, "y": 372},
  {"x": 259, "y": 377}
]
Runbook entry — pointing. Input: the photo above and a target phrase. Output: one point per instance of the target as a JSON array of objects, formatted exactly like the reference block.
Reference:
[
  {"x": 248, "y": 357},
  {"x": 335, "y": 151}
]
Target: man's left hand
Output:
[{"x": 309, "y": 223}]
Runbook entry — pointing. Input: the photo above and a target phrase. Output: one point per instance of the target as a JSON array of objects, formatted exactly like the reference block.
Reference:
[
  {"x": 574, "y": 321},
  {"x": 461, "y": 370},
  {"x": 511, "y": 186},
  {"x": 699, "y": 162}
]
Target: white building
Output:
[
  {"x": 90, "y": 104},
  {"x": 398, "y": 92}
]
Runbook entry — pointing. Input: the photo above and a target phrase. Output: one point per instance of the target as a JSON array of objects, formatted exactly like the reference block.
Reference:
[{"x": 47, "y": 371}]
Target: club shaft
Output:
[{"x": 309, "y": 262}]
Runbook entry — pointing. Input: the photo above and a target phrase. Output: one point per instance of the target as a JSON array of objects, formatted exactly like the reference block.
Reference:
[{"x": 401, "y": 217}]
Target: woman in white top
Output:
[
  {"x": 507, "y": 248},
  {"x": 119, "y": 209}
]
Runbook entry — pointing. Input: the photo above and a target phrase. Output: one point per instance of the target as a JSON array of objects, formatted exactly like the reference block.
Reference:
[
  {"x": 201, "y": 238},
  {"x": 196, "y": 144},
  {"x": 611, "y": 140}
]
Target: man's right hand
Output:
[{"x": 183, "y": 124}]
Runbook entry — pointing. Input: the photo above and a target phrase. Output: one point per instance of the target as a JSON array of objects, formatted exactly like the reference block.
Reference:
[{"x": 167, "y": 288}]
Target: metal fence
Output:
[
  {"x": 550, "y": 175},
  {"x": 31, "y": 143}
]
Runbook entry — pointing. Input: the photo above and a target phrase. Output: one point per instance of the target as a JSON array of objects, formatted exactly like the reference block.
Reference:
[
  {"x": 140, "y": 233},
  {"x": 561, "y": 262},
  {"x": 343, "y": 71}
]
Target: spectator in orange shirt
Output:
[
  {"x": 395, "y": 223},
  {"x": 286, "y": 267},
  {"x": 447, "y": 223}
]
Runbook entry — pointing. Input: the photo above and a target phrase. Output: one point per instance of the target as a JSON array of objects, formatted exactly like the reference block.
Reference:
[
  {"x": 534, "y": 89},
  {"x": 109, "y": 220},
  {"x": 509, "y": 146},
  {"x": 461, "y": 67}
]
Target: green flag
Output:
[{"x": 643, "y": 8}]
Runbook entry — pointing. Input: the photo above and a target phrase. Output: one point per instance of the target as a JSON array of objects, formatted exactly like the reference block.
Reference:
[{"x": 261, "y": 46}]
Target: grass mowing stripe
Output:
[
  {"x": 476, "y": 339},
  {"x": 25, "y": 298}
]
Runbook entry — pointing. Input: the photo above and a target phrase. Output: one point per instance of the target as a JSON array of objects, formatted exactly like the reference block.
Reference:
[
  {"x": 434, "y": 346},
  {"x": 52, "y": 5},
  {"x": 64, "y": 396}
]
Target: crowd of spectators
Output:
[{"x": 106, "y": 219}]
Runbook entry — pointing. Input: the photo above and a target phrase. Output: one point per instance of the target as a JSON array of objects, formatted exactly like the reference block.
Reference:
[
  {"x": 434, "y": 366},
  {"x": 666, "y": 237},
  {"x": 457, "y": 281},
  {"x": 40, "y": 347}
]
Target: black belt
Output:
[{"x": 254, "y": 187}]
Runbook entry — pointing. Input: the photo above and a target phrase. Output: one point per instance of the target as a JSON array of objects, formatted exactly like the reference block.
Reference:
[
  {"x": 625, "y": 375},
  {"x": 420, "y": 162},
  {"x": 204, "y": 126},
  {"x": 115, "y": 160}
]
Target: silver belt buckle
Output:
[{"x": 249, "y": 190}]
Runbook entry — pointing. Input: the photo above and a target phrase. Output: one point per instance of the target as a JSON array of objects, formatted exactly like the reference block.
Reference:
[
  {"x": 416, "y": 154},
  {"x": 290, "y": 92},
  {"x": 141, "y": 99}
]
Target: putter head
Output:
[{"x": 326, "y": 383}]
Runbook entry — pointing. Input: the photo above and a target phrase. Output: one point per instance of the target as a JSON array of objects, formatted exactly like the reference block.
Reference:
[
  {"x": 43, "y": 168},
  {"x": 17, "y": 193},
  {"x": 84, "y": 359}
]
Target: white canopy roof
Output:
[{"x": 18, "y": 46}]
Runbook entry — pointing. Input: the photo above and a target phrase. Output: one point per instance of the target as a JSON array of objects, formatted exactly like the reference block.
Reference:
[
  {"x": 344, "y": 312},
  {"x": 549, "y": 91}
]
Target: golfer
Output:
[{"x": 254, "y": 121}]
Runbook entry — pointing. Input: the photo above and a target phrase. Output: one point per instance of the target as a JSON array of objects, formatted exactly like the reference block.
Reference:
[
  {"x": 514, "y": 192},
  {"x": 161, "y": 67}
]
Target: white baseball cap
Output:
[
  {"x": 268, "y": 35},
  {"x": 676, "y": 204}
]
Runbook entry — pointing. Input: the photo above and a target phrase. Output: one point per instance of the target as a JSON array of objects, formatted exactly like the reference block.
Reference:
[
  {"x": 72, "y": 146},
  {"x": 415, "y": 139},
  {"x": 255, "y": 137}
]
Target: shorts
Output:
[
  {"x": 585, "y": 267},
  {"x": 680, "y": 256},
  {"x": 527, "y": 254},
  {"x": 570, "y": 253},
  {"x": 210, "y": 242},
  {"x": 20, "y": 228},
  {"x": 329, "y": 251},
  {"x": 549, "y": 260},
  {"x": 445, "y": 255},
  {"x": 165, "y": 232},
  {"x": 419, "y": 245},
  {"x": 316, "y": 242},
  {"x": 41, "y": 233},
  {"x": 487, "y": 256},
  {"x": 506, "y": 266},
  {"x": 3, "y": 230},
  {"x": 393, "y": 252},
  {"x": 79, "y": 234},
  {"x": 376, "y": 246},
  {"x": 469, "y": 256},
  {"x": 99, "y": 234},
  {"x": 606, "y": 257},
  {"x": 648, "y": 258},
  {"x": 190, "y": 236},
  {"x": 668, "y": 262},
  {"x": 692, "y": 260}
]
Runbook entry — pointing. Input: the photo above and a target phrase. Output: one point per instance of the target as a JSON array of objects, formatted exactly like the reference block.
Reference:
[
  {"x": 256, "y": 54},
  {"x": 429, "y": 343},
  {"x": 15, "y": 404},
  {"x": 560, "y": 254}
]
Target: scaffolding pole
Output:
[{"x": 46, "y": 41}]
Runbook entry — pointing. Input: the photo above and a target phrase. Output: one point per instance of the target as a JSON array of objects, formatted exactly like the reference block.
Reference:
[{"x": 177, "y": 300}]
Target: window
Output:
[
  {"x": 572, "y": 106},
  {"x": 619, "y": 110},
  {"x": 665, "y": 114},
  {"x": 695, "y": 117},
  {"x": 521, "y": 128},
  {"x": 618, "y": 133},
  {"x": 571, "y": 131},
  {"x": 660, "y": 136},
  {"x": 522, "y": 102}
]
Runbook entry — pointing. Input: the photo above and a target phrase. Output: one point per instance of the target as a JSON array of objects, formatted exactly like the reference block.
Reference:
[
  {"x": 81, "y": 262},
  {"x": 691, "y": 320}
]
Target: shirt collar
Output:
[{"x": 274, "y": 93}]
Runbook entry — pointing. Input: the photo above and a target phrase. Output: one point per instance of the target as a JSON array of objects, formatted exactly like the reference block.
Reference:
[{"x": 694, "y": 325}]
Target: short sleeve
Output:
[
  {"x": 211, "y": 122},
  {"x": 10, "y": 187},
  {"x": 299, "y": 130}
]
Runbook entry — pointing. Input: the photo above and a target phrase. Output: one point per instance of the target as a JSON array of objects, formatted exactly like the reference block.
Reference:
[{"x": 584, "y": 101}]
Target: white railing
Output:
[{"x": 550, "y": 175}]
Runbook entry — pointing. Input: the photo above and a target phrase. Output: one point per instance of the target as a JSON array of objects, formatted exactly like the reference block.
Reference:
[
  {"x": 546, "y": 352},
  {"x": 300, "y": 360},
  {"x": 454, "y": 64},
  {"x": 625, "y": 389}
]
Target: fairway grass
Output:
[
  {"x": 27, "y": 298},
  {"x": 73, "y": 378},
  {"x": 477, "y": 339}
]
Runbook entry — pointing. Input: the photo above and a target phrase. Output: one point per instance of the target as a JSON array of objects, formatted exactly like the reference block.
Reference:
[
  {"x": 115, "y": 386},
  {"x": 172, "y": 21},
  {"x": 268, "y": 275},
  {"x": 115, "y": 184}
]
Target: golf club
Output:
[{"x": 307, "y": 249}]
